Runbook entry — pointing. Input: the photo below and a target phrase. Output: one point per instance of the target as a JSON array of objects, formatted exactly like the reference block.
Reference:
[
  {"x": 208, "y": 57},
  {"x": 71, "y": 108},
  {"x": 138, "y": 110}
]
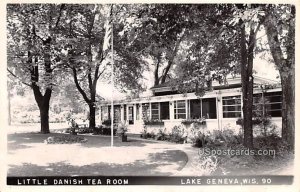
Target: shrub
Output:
[
  {"x": 98, "y": 130},
  {"x": 122, "y": 129},
  {"x": 206, "y": 165},
  {"x": 107, "y": 131},
  {"x": 65, "y": 139},
  {"x": 107, "y": 122},
  {"x": 223, "y": 138},
  {"x": 199, "y": 140},
  {"x": 161, "y": 135},
  {"x": 144, "y": 133},
  {"x": 177, "y": 134}
]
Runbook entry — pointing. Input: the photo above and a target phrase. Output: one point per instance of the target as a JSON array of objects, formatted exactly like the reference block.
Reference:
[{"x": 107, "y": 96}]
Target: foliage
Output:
[
  {"x": 198, "y": 139},
  {"x": 201, "y": 121},
  {"x": 226, "y": 137},
  {"x": 122, "y": 129},
  {"x": 206, "y": 165},
  {"x": 153, "y": 122},
  {"x": 162, "y": 135},
  {"x": 65, "y": 139},
  {"x": 33, "y": 50},
  {"x": 80, "y": 130},
  {"x": 177, "y": 134},
  {"x": 147, "y": 135},
  {"x": 106, "y": 122},
  {"x": 104, "y": 131}
]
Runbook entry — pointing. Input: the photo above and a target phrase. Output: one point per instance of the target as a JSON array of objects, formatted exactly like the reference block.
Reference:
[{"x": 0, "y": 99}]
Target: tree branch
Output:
[
  {"x": 78, "y": 86},
  {"x": 170, "y": 62},
  {"x": 18, "y": 78},
  {"x": 59, "y": 16},
  {"x": 100, "y": 74}
]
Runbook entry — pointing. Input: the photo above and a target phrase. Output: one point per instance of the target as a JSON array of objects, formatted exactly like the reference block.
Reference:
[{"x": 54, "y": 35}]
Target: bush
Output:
[
  {"x": 199, "y": 140},
  {"x": 177, "y": 134},
  {"x": 161, "y": 135},
  {"x": 98, "y": 130},
  {"x": 65, "y": 139},
  {"x": 107, "y": 131},
  {"x": 145, "y": 134},
  {"x": 122, "y": 129}
]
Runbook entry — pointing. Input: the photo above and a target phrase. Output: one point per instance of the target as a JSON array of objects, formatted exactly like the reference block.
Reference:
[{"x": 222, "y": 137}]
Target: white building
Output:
[{"x": 220, "y": 107}]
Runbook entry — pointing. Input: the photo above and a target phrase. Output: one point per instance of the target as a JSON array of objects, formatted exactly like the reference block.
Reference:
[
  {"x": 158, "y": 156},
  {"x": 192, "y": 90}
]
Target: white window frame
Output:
[
  {"x": 176, "y": 109},
  {"x": 223, "y": 105}
]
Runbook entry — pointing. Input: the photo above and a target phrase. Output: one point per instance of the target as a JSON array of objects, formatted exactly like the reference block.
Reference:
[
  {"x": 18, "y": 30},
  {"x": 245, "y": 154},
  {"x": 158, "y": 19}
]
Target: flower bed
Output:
[
  {"x": 65, "y": 139},
  {"x": 153, "y": 122},
  {"x": 196, "y": 121}
]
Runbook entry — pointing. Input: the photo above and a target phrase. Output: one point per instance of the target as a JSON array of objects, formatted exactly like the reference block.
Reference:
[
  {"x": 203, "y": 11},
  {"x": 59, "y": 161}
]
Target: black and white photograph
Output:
[{"x": 150, "y": 94}]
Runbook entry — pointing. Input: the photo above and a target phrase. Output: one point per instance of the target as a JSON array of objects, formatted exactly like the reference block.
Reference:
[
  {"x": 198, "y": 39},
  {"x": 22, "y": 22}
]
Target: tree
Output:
[
  {"x": 229, "y": 47},
  {"x": 252, "y": 20},
  {"x": 209, "y": 52},
  {"x": 84, "y": 57},
  {"x": 86, "y": 34},
  {"x": 163, "y": 28},
  {"x": 32, "y": 50},
  {"x": 280, "y": 30}
]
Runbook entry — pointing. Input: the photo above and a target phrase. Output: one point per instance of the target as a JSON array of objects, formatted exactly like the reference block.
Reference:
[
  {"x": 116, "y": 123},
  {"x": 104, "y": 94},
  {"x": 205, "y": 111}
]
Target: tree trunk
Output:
[
  {"x": 156, "y": 76},
  {"x": 247, "y": 87},
  {"x": 43, "y": 104},
  {"x": 44, "y": 115},
  {"x": 288, "y": 108},
  {"x": 92, "y": 116},
  {"x": 287, "y": 72}
]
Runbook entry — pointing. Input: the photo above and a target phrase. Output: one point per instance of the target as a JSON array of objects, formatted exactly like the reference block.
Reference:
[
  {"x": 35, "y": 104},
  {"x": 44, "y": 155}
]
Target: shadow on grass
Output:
[
  {"x": 153, "y": 165},
  {"x": 24, "y": 140}
]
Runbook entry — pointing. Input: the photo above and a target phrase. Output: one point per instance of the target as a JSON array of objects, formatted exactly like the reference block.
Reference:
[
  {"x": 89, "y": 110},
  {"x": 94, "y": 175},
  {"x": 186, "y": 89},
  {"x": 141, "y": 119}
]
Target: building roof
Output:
[{"x": 231, "y": 83}]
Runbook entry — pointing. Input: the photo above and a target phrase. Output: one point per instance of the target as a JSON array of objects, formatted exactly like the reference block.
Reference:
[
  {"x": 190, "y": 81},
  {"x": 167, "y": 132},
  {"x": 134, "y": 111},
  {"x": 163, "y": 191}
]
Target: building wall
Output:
[{"x": 220, "y": 123}]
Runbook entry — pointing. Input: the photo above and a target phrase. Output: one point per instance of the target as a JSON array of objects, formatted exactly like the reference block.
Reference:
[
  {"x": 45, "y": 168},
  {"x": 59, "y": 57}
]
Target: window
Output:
[
  {"x": 232, "y": 106},
  {"x": 103, "y": 113},
  {"x": 125, "y": 112},
  {"x": 274, "y": 106},
  {"x": 117, "y": 113},
  {"x": 270, "y": 102},
  {"x": 145, "y": 111},
  {"x": 109, "y": 112},
  {"x": 209, "y": 109},
  {"x": 130, "y": 115},
  {"x": 154, "y": 110},
  {"x": 179, "y": 110},
  {"x": 195, "y": 109},
  {"x": 164, "y": 110}
]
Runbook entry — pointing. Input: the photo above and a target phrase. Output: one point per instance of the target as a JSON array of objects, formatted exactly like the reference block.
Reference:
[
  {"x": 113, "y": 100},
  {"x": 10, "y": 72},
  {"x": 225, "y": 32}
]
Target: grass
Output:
[{"x": 28, "y": 155}]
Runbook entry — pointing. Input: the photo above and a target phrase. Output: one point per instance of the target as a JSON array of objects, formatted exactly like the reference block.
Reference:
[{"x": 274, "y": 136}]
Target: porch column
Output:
[
  {"x": 150, "y": 111},
  {"x": 126, "y": 108},
  {"x": 171, "y": 108},
  {"x": 219, "y": 109},
  {"x": 141, "y": 111},
  {"x": 187, "y": 107},
  {"x": 134, "y": 113},
  {"x": 122, "y": 113},
  {"x": 100, "y": 115}
]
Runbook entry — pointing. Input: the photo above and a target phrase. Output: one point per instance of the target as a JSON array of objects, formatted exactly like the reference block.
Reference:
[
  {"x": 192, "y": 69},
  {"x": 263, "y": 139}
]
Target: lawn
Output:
[{"x": 28, "y": 155}]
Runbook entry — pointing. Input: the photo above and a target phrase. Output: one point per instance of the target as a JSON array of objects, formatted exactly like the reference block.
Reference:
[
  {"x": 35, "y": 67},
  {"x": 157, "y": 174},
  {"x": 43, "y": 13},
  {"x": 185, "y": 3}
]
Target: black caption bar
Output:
[{"x": 153, "y": 180}]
